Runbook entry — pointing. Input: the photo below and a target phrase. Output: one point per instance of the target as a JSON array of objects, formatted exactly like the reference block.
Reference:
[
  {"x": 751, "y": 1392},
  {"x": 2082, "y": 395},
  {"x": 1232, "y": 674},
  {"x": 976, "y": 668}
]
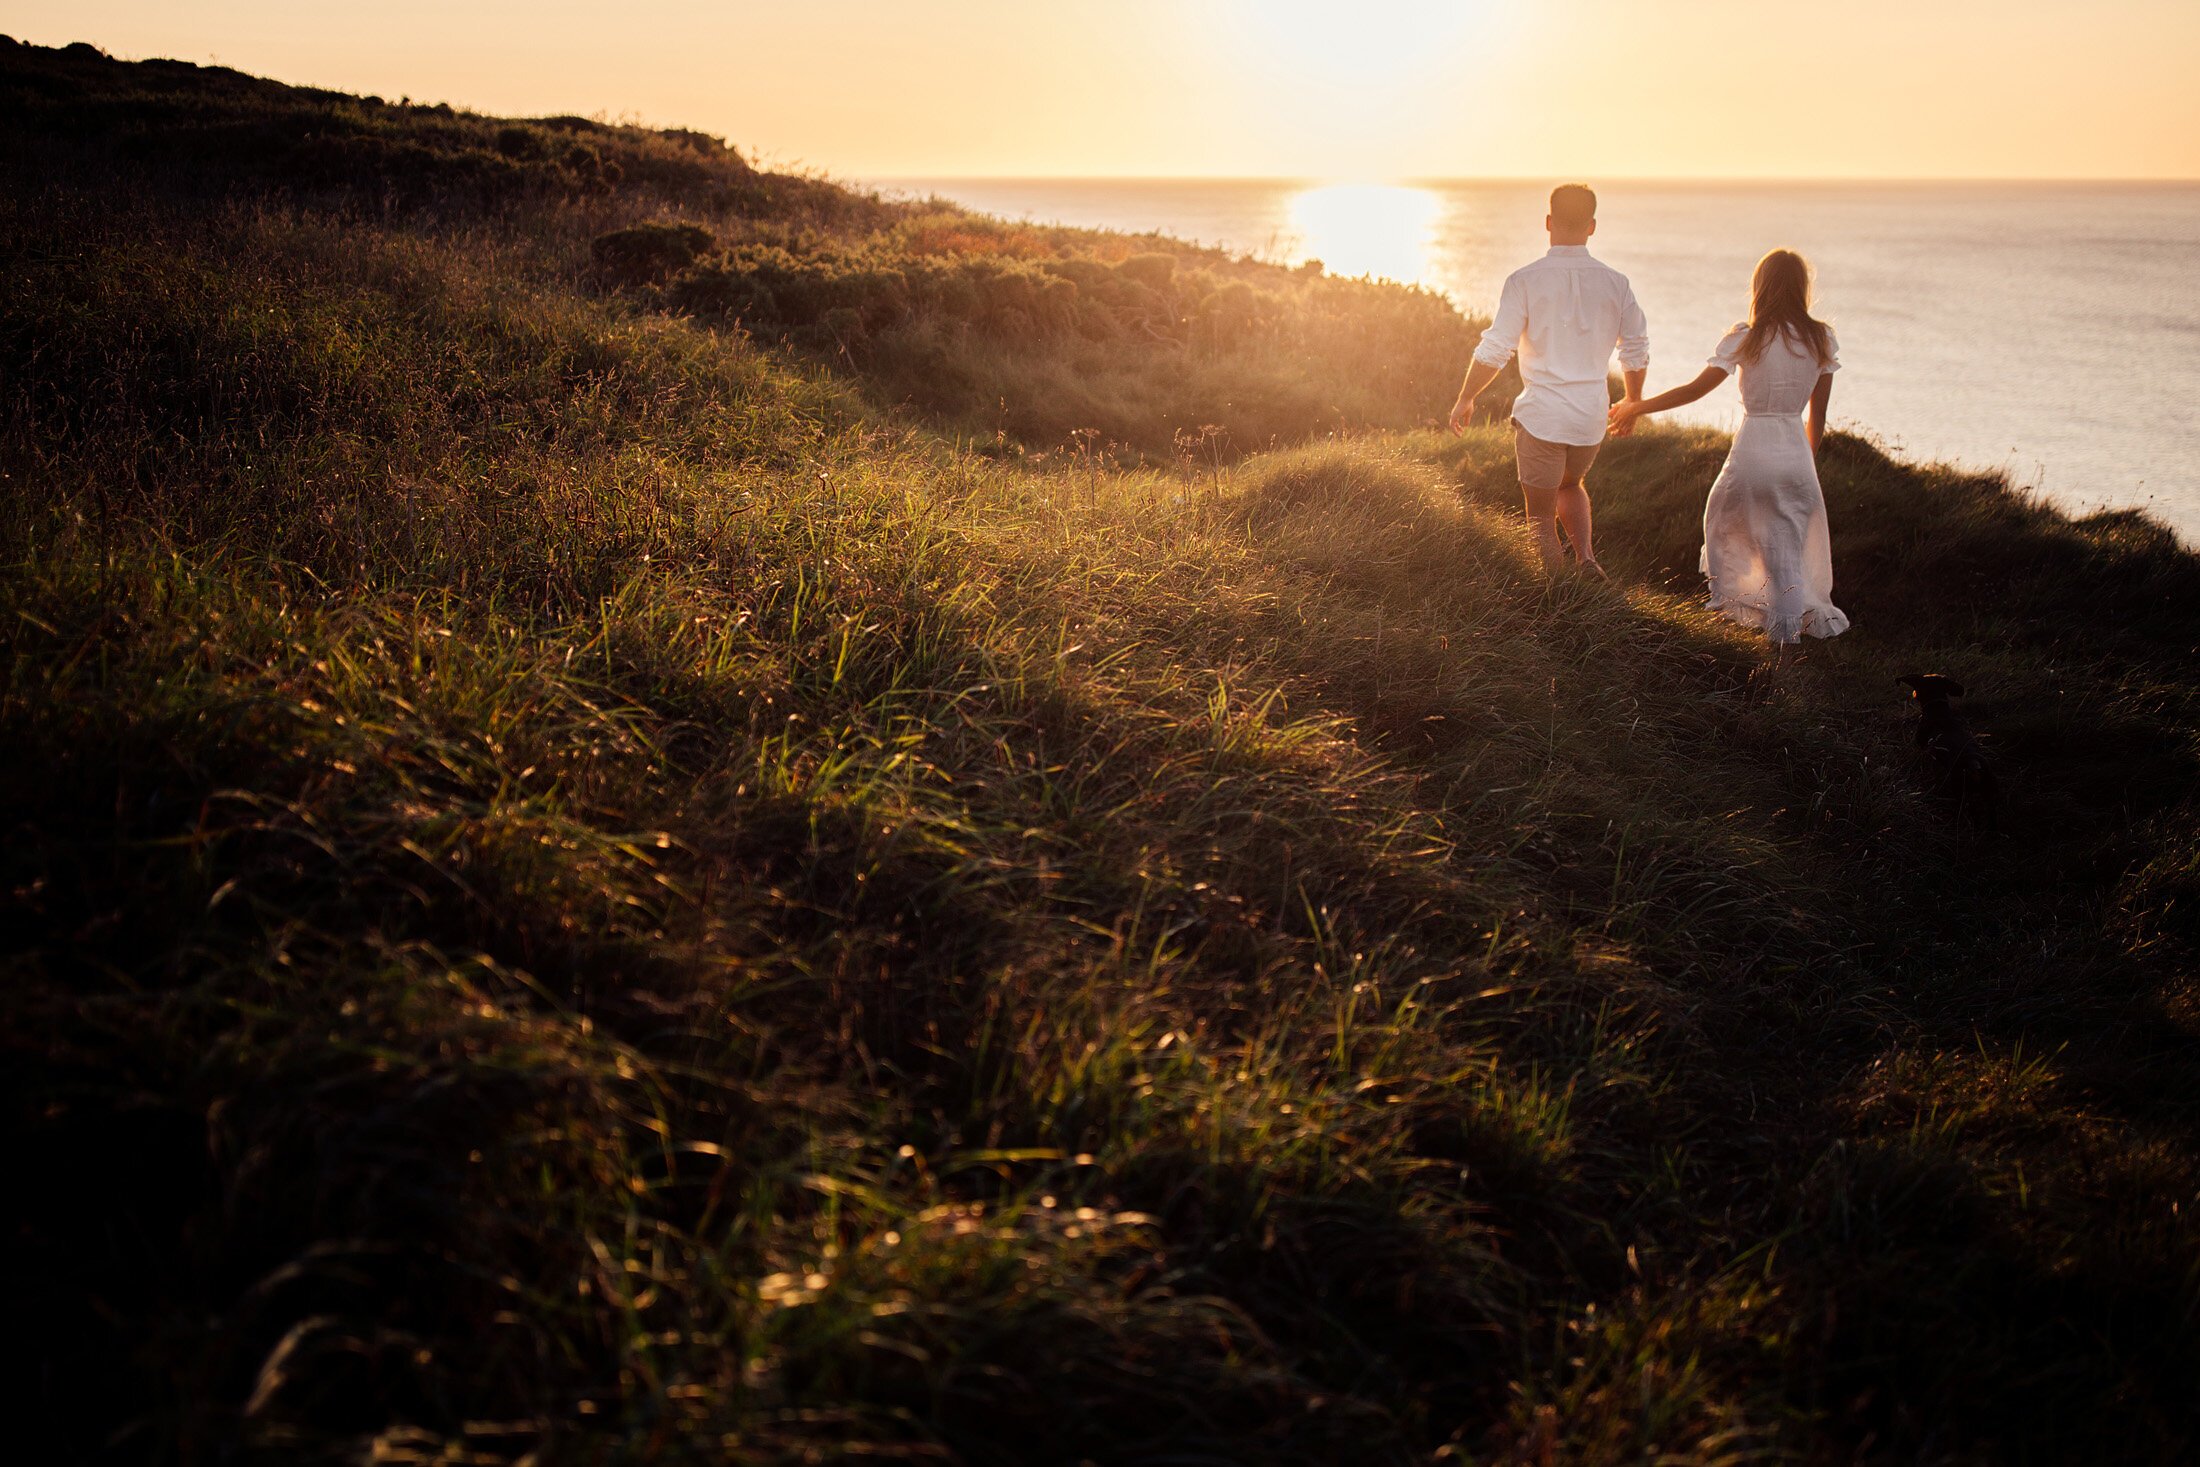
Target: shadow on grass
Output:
[{"x": 1908, "y": 971}]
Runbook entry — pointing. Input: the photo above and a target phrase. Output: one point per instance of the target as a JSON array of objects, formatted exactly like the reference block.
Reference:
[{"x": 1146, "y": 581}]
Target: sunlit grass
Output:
[{"x": 580, "y": 885}]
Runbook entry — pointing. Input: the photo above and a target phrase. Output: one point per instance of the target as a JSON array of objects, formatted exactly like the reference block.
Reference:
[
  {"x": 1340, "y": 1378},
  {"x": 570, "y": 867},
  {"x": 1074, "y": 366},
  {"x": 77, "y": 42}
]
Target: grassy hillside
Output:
[{"x": 753, "y": 842}]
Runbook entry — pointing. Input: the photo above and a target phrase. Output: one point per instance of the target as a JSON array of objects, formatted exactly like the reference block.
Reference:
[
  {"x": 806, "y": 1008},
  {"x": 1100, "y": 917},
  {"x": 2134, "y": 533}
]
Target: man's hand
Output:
[
  {"x": 1479, "y": 376},
  {"x": 1622, "y": 425}
]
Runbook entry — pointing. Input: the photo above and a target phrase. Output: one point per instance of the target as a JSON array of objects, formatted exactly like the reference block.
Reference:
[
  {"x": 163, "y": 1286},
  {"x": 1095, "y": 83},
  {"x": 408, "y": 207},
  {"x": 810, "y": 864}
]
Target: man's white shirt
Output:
[{"x": 1564, "y": 313}]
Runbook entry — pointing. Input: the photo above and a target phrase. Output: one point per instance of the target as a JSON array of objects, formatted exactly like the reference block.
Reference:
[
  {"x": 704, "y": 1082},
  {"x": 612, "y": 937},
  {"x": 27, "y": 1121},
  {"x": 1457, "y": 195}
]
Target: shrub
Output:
[
  {"x": 645, "y": 252},
  {"x": 520, "y": 142}
]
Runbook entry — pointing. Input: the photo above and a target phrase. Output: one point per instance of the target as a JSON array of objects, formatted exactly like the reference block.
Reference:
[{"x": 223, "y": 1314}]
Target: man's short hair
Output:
[{"x": 1573, "y": 206}]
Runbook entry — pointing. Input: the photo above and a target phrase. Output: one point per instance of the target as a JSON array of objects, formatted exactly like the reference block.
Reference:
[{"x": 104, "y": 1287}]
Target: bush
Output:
[
  {"x": 651, "y": 251},
  {"x": 1138, "y": 347},
  {"x": 214, "y": 121}
]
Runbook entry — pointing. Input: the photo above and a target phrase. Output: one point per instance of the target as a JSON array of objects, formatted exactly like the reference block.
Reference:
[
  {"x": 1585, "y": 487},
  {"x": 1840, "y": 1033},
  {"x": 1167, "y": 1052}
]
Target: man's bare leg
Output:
[
  {"x": 1573, "y": 512},
  {"x": 1542, "y": 524}
]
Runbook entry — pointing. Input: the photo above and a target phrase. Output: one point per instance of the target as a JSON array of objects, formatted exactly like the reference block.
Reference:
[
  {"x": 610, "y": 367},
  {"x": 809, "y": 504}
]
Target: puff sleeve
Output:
[{"x": 1728, "y": 357}]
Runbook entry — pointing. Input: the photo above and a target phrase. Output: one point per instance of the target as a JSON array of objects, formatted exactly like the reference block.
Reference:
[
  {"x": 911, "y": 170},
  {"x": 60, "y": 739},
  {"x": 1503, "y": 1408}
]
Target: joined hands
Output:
[{"x": 1619, "y": 421}]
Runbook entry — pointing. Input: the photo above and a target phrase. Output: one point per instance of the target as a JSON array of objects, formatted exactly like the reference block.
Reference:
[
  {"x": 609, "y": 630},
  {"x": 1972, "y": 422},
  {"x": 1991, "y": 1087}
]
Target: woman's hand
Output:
[{"x": 1621, "y": 420}]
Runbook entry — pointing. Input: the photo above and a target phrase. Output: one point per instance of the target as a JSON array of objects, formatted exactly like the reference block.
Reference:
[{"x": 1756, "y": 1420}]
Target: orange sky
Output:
[{"x": 1375, "y": 89}]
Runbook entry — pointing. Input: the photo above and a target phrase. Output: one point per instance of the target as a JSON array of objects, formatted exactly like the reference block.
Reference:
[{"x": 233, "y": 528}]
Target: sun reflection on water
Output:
[{"x": 1367, "y": 229}]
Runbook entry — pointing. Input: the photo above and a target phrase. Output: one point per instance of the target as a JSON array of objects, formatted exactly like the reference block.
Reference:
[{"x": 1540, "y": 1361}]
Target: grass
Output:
[{"x": 592, "y": 876}]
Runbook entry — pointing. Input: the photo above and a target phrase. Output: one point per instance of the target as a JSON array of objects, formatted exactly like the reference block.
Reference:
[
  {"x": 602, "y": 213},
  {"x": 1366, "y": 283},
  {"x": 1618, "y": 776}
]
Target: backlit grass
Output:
[{"x": 587, "y": 879}]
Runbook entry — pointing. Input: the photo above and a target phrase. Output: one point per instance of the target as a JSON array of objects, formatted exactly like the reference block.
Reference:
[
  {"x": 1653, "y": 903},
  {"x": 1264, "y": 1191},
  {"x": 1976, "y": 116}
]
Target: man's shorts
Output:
[{"x": 1548, "y": 465}]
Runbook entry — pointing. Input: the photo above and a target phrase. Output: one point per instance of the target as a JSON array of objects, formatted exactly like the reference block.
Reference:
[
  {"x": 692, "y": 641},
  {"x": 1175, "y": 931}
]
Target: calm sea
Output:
[{"x": 2049, "y": 330}]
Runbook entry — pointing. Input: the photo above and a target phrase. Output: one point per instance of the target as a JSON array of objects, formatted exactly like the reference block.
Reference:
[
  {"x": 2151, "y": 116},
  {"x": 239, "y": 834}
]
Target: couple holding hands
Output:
[{"x": 1766, "y": 549}]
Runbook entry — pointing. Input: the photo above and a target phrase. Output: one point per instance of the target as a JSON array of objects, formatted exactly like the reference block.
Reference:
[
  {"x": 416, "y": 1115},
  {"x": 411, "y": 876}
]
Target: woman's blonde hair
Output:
[{"x": 1779, "y": 300}]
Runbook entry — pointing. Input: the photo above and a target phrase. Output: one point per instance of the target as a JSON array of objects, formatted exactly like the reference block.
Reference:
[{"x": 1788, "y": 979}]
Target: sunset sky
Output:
[{"x": 1371, "y": 89}]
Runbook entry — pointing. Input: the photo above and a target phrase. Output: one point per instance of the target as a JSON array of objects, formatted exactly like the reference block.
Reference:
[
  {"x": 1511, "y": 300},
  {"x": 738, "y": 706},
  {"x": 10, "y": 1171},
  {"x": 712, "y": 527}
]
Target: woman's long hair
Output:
[{"x": 1779, "y": 301}]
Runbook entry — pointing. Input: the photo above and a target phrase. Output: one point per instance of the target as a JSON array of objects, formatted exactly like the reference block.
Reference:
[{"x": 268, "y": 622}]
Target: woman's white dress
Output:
[{"x": 1766, "y": 548}]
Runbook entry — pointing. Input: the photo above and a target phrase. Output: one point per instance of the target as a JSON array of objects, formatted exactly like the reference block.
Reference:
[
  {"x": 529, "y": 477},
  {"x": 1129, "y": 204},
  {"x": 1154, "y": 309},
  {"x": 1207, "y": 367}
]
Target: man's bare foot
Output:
[{"x": 1590, "y": 567}]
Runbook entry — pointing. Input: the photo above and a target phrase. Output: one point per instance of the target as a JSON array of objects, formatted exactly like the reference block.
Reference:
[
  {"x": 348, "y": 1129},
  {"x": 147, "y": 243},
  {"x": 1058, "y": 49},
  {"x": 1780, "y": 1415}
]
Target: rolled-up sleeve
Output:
[
  {"x": 1499, "y": 342},
  {"x": 1634, "y": 333}
]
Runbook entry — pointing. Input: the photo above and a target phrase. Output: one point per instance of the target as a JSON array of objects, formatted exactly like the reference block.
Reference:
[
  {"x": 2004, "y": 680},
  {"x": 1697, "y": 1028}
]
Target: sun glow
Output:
[
  {"x": 1363, "y": 44},
  {"x": 1360, "y": 90},
  {"x": 1367, "y": 229},
  {"x": 1377, "y": 89}
]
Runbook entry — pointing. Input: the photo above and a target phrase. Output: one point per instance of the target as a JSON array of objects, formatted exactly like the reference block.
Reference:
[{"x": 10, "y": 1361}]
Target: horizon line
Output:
[{"x": 1419, "y": 180}]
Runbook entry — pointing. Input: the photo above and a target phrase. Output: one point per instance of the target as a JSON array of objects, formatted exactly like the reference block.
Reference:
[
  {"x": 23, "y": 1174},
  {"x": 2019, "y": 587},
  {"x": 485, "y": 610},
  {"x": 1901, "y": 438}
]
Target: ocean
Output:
[{"x": 2050, "y": 330}]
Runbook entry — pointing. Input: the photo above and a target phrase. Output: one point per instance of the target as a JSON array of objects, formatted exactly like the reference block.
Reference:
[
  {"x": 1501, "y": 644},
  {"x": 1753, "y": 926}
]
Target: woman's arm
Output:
[
  {"x": 1628, "y": 409},
  {"x": 1819, "y": 397}
]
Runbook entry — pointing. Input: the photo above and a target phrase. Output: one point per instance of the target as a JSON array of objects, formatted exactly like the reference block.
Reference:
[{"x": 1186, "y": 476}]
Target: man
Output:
[{"x": 1563, "y": 313}]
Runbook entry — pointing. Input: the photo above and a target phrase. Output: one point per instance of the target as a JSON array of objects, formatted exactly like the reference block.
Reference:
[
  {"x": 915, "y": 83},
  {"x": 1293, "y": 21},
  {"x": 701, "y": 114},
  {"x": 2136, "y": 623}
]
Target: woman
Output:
[{"x": 1766, "y": 548}]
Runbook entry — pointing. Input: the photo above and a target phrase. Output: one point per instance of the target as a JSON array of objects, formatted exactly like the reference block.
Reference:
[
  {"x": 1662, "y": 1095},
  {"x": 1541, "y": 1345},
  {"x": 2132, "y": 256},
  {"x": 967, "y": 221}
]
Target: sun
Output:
[{"x": 1367, "y": 229}]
